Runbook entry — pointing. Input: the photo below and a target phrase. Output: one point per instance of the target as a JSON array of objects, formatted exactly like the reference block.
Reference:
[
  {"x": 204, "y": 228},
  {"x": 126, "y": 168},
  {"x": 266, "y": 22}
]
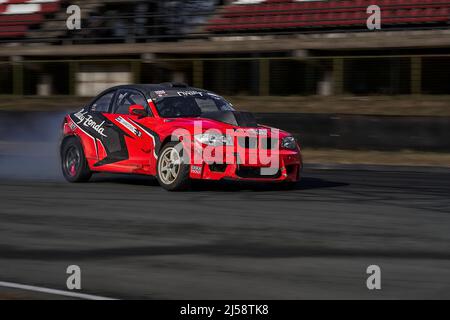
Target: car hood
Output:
[
  {"x": 222, "y": 121},
  {"x": 233, "y": 118}
]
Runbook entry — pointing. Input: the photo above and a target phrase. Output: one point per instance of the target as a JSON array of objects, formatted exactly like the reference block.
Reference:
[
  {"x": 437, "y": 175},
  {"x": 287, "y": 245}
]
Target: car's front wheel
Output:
[
  {"x": 73, "y": 161},
  {"x": 172, "y": 171}
]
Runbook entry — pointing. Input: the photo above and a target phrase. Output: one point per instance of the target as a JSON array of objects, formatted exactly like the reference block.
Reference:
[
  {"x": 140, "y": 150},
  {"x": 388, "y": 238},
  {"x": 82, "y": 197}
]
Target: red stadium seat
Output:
[
  {"x": 281, "y": 14},
  {"x": 12, "y": 20},
  {"x": 17, "y": 15},
  {"x": 13, "y": 31}
]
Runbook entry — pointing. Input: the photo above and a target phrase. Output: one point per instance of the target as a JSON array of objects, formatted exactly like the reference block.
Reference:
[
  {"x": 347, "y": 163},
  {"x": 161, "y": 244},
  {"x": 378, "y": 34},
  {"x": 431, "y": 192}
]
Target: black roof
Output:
[{"x": 149, "y": 88}]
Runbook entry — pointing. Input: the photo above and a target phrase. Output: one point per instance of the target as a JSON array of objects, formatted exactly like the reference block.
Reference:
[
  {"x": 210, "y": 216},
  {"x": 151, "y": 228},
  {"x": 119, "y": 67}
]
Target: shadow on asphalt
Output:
[
  {"x": 220, "y": 249},
  {"x": 307, "y": 183}
]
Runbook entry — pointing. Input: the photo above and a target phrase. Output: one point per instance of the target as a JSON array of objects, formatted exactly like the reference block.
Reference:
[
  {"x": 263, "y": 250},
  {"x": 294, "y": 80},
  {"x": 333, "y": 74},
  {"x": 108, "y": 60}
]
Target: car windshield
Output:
[{"x": 175, "y": 104}]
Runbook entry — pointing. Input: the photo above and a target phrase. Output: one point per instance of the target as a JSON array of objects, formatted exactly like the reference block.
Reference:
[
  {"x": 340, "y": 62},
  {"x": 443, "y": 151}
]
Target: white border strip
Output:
[{"x": 52, "y": 291}]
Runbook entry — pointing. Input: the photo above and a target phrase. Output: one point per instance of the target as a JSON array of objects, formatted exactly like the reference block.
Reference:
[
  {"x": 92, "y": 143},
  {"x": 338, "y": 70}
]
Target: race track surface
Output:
[{"x": 223, "y": 241}]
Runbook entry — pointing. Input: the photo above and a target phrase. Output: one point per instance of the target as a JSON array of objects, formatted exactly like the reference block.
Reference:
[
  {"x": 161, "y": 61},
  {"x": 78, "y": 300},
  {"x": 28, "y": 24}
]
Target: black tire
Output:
[
  {"x": 182, "y": 180},
  {"x": 74, "y": 170}
]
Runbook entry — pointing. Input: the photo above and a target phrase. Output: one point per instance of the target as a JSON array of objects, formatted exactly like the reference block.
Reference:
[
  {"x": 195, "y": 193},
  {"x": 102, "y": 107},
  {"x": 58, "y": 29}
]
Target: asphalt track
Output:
[
  {"x": 225, "y": 241},
  {"x": 134, "y": 240}
]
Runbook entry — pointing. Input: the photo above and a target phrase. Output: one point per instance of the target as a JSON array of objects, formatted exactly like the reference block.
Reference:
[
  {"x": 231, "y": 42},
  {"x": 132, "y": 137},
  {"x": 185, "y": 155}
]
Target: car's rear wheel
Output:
[
  {"x": 73, "y": 161},
  {"x": 172, "y": 171}
]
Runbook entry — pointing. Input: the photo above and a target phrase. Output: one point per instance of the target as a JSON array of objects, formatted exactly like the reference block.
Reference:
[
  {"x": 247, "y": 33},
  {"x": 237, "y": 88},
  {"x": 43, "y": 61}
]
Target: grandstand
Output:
[
  {"x": 106, "y": 21},
  {"x": 124, "y": 20},
  {"x": 18, "y": 17},
  {"x": 241, "y": 47},
  {"x": 300, "y": 16}
]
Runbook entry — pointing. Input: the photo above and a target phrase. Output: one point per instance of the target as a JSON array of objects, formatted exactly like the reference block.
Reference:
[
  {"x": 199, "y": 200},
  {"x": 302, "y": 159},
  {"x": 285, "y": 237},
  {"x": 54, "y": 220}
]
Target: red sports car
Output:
[{"x": 176, "y": 133}]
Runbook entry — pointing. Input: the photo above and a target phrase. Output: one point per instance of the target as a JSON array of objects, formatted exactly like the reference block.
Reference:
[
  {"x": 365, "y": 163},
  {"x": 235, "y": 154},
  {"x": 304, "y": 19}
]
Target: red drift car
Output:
[{"x": 175, "y": 133}]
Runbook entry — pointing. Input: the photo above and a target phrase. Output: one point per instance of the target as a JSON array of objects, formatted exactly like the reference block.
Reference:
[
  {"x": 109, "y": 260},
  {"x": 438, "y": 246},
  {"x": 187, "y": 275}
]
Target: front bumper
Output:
[{"x": 288, "y": 168}]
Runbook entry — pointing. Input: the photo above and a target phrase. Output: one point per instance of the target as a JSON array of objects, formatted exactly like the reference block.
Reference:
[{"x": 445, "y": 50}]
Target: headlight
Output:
[
  {"x": 289, "y": 143},
  {"x": 214, "y": 139}
]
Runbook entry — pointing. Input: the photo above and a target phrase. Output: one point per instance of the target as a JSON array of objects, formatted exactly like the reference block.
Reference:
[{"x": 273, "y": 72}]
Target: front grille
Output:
[
  {"x": 215, "y": 167},
  {"x": 253, "y": 143},
  {"x": 269, "y": 143},
  {"x": 255, "y": 172},
  {"x": 248, "y": 142}
]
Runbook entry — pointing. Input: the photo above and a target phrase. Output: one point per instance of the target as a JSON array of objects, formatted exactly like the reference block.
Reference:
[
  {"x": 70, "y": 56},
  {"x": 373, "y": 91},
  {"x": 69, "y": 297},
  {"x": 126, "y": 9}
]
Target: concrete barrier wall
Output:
[
  {"x": 313, "y": 130},
  {"x": 364, "y": 132}
]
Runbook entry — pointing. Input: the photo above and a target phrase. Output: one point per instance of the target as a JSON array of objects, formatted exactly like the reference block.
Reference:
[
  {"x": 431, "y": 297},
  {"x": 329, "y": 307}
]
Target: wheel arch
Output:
[
  {"x": 83, "y": 173},
  {"x": 68, "y": 137},
  {"x": 76, "y": 137},
  {"x": 168, "y": 139}
]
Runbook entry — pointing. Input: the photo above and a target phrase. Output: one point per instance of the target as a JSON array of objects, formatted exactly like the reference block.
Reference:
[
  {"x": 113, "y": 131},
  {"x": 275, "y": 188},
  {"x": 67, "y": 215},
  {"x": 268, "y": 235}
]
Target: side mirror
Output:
[{"x": 137, "y": 110}]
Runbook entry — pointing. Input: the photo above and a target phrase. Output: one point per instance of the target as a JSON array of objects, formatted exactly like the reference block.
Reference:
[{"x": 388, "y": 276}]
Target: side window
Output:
[
  {"x": 127, "y": 98},
  {"x": 102, "y": 104}
]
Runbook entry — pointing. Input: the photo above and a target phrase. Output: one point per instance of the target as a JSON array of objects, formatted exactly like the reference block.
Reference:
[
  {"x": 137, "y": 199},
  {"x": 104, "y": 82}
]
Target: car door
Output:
[
  {"x": 95, "y": 129},
  {"x": 139, "y": 139},
  {"x": 112, "y": 150}
]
